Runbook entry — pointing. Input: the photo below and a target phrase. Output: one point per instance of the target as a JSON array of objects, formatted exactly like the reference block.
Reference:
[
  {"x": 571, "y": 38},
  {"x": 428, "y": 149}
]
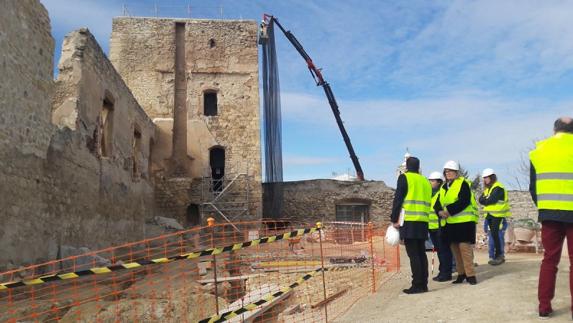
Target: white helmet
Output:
[
  {"x": 435, "y": 175},
  {"x": 487, "y": 172},
  {"x": 453, "y": 165}
]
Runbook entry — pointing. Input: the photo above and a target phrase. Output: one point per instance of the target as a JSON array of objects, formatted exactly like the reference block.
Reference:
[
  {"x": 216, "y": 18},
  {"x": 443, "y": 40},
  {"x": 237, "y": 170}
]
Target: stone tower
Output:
[{"x": 198, "y": 81}]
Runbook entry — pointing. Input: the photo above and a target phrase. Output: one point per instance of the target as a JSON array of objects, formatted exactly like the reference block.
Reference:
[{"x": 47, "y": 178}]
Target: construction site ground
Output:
[{"x": 506, "y": 293}]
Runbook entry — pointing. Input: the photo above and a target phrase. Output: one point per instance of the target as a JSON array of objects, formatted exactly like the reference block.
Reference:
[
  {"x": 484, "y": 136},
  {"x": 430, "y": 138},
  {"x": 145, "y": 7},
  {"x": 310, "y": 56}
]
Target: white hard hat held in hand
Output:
[
  {"x": 453, "y": 165},
  {"x": 487, "y": 172},
  {"x": 392, "y": 235},
  {"x": 435, "y": 175}
]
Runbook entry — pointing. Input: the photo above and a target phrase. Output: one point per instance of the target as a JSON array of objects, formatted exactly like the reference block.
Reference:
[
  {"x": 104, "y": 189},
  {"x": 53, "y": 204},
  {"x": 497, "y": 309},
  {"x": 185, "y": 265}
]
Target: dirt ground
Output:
[{"x": 506, "y": 293}]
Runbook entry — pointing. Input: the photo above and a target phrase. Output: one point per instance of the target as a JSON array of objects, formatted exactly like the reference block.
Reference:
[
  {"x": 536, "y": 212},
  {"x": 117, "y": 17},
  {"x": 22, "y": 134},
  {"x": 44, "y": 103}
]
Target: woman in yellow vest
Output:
[
  {"x": 436, "y": 228},
  {"x": 496, "y": 208},
  {"x": 458, "y": 206}
]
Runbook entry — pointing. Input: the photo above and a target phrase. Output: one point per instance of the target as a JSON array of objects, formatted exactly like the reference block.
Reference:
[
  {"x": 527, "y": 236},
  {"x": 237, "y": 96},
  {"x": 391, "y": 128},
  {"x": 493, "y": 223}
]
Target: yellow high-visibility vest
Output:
[
  {"x": 434, "y": 224},
  {"x": 470, "y": 213},
  {"x": 417, "y": 201},
  {"x": 499, "y": 209},
  {"x": 553, "y": 162}
]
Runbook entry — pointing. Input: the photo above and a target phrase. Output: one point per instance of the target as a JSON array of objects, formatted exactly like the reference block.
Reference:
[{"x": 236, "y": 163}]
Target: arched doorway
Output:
[
  {"x": 193, "y": 216},
  {"x": 217, "y": 163}
]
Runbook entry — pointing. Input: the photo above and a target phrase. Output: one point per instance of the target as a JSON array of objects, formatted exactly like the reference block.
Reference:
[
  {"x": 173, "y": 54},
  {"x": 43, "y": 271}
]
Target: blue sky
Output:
[{"x": 473, "y": 81}]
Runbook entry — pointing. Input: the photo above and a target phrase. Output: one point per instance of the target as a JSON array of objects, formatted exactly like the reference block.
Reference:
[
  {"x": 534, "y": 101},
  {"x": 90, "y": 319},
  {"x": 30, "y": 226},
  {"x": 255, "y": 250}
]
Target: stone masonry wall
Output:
[
  {"x": 316, "y": 200},
  {"x": 522, "y": 205},
  {"x": 220, "y": 56},
  {"x": 54, "y": 188}
]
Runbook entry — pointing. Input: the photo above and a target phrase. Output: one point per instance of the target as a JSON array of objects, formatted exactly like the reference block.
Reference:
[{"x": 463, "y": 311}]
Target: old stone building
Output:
[
  {"x": 198, "y": 80},
  {"x": 73, "y": 152},
  {"x": 332, "y": 200}
]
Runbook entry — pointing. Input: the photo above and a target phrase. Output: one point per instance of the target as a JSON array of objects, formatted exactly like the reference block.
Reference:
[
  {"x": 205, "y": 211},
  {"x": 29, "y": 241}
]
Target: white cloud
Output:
[
  {"x": 478, "y": 129},
  {"x": 488, "y": 42}
]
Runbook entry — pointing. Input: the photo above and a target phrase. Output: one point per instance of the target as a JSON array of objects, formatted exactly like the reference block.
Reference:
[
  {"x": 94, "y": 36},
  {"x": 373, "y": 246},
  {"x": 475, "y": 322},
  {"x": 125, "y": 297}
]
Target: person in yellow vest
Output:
[
  {"x": 457, "y": 205},
  {"x": 496, "y": 209},
  {"x": 410, "y": 210},
  {"x": 551, "y": 187},
  {"x": 436, "y": 227}
]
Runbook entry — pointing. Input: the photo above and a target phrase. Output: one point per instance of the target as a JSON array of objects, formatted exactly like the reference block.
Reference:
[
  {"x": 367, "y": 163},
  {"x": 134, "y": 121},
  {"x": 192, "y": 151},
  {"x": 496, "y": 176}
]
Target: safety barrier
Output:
[{"x": 240, "y": 272}]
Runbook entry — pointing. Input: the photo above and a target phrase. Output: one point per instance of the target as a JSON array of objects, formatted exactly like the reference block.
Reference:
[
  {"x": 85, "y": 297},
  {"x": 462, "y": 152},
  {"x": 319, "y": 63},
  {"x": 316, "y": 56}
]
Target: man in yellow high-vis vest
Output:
[
  {"x": 496, "y": 209},
  {"x": 436, "y": 227},
  {"x": 410, "y": 211},
  {"x": 551, "y": 187}
]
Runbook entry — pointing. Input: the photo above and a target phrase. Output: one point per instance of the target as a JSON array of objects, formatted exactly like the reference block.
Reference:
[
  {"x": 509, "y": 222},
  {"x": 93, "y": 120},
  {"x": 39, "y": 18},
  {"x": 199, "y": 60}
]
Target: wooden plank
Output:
[
  {"x": 330, "y": 298},
  {"x": 226, "y": 279}
]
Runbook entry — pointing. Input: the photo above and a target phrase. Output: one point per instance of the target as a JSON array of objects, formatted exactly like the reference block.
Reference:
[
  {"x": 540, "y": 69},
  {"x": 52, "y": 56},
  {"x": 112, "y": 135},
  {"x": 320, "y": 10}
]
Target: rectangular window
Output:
[
  {"x": 210, "y": 103},
  {"x": 106, "y": 129},
  {"x": 352, "y": 212}
]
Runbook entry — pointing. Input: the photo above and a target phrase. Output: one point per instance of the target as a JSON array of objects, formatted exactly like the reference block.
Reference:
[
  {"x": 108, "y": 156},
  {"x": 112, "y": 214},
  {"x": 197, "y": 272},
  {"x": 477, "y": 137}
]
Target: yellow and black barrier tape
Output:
[
  {"x": 145, "y": 262},
  {"x": 265, "y": 299}
]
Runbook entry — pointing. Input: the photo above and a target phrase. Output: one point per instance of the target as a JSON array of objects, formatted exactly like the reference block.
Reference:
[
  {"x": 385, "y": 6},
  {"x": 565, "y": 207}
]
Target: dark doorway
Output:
[
  {"x": 193, "y": 215},
  {"x": 217, "y": 163}
]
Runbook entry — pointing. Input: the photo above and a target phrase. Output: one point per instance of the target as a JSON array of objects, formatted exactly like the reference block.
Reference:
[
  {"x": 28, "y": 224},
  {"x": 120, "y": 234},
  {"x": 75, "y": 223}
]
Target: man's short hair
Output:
[
  {"x": 563, "y": 126},
  {"x": 413, "y": 164}
]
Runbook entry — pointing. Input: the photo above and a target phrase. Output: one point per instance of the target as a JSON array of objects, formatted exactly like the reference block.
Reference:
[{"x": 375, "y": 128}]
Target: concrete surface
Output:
[{"x": 506, "y": 293}]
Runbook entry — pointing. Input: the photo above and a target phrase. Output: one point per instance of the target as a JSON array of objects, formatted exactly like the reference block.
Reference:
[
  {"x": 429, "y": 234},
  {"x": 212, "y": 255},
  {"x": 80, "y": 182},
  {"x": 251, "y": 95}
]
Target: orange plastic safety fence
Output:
[{"x": 267, "y": 271}]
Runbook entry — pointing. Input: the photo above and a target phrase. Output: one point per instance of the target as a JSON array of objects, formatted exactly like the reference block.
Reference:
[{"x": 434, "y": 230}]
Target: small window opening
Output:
[
  {"x": 212, "y": 43},
  {"x": 210, "y": 103},
  {"x": 136, "y": 153},
  {"x": 149, "y": 159},
  {"x": 105, "y": 128}
]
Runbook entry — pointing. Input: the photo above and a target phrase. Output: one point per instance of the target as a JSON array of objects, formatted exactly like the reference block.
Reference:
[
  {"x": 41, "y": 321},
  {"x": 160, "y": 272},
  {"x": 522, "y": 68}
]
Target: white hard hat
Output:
[
  {"x": 453, "y": 165},
  {"x": 392, "y": 235},
  {"x": 487, "y": 172},
  {"x": 435, "y": 175}
]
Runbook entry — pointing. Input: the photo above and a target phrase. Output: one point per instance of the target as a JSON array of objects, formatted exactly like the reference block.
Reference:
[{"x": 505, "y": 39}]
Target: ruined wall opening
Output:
[
  {"x": 217, "y": 163},
  {"x": 353, "y": 211},
  {"x": 193, "y": 215},
  {"x": 212, "y": 43},
  {"x": 150, "y": 160},
  {"x": 105, "y": 125},
  {"x": 210, "y": 103},
  {"x": 136, "y": 153}
]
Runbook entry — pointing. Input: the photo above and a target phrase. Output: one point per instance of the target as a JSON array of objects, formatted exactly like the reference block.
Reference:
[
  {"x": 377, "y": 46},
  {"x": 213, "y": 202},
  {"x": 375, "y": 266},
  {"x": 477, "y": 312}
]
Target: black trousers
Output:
[
  {"x": 444, "y": 253},
  {"x": 416, "y": 250},
  {"x": 494, "y": 224}
]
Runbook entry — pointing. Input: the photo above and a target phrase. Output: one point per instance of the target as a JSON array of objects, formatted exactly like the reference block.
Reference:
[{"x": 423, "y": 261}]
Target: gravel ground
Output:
[{"x": 506, "y": 293}]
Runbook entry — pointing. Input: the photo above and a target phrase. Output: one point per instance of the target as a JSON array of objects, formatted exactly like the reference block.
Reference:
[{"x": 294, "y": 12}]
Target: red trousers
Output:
[{"x": 552, "y": 235}]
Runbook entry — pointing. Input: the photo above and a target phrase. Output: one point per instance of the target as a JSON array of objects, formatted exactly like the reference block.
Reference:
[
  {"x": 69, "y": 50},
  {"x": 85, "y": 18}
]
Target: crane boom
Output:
[{"x": 319, "y": 79}]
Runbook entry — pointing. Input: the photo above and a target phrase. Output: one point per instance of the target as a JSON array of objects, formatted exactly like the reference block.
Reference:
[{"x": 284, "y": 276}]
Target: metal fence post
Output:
[
  {"x": 211, "y": 225},
  {"x": 370, "y": 234},
  {"x": 319, "y": 227}
]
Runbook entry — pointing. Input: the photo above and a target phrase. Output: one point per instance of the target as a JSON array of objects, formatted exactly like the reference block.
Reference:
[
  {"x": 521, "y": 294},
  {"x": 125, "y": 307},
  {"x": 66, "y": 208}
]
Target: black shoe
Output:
[
  {"x": 545, "y": 315},
  {"x": 460, "y": 279},
  {"x": 415, "y": 290},
  {"x": 472, "y": 280},
  {"x": 442, "y": 278}
]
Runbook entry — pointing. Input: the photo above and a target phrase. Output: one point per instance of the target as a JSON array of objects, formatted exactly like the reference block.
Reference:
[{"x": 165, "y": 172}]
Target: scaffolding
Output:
[{"x": 227, "y": 198}]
